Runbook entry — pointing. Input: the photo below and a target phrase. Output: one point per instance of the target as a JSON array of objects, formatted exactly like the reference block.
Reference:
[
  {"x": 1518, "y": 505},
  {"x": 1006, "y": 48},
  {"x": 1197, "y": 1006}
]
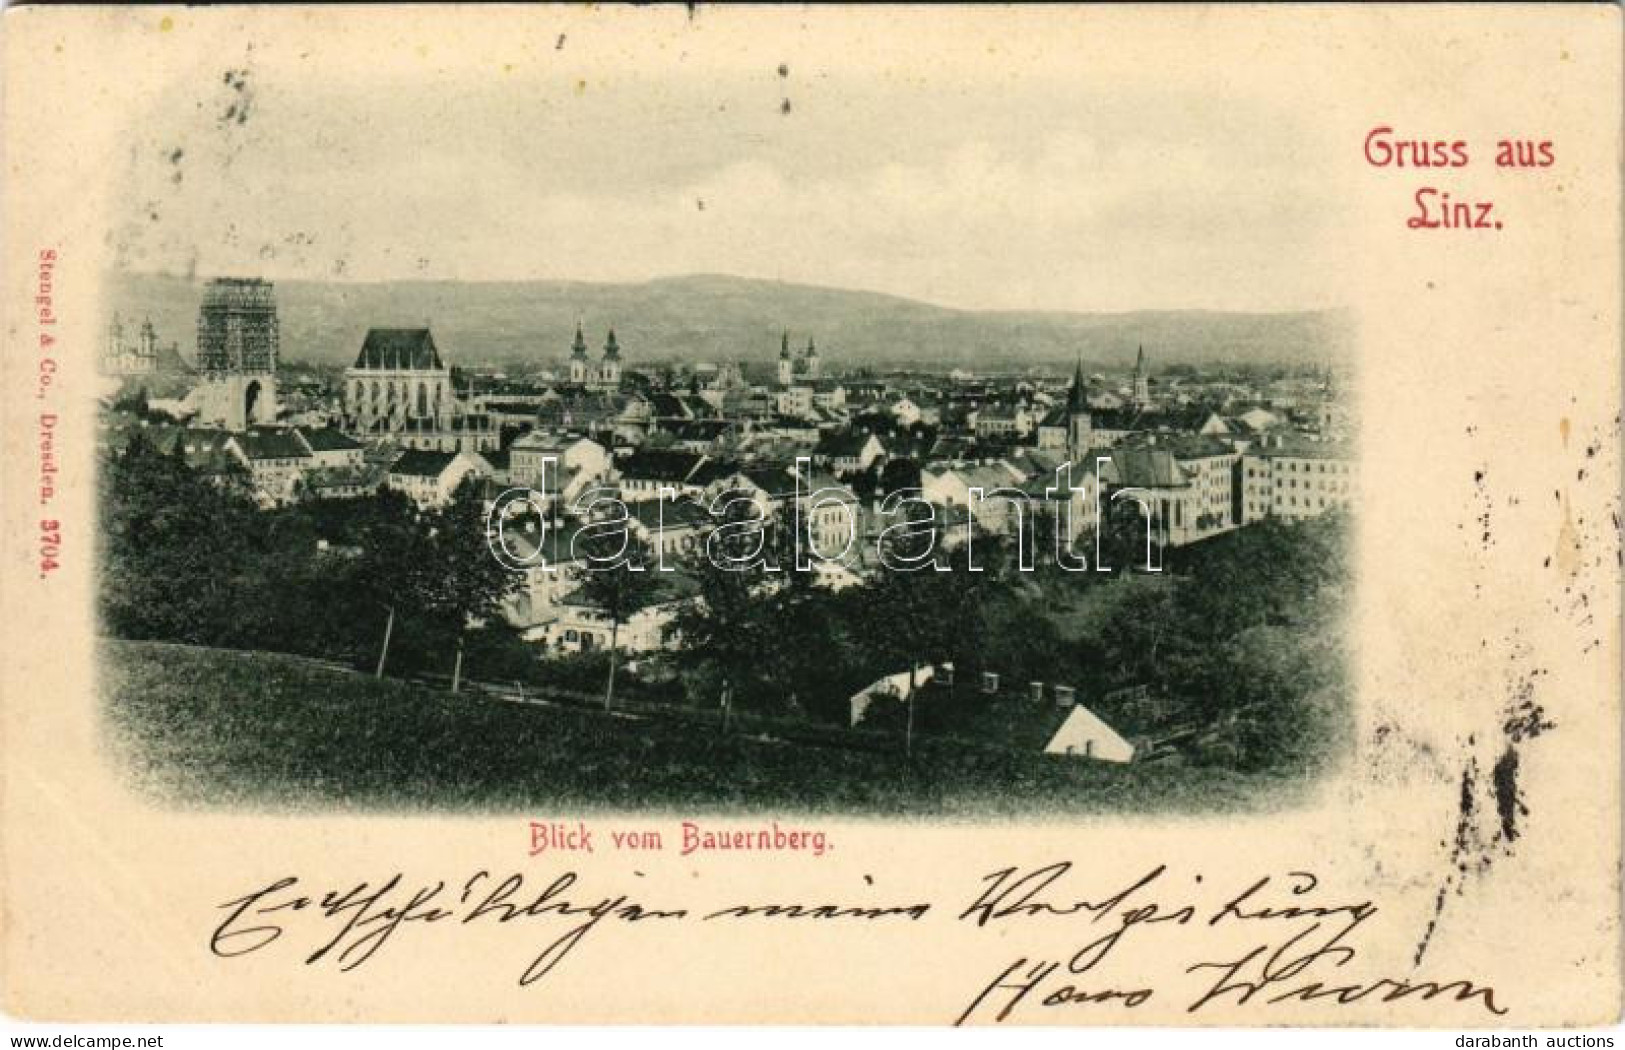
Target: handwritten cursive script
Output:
[{"x": 1277, "y": 940}]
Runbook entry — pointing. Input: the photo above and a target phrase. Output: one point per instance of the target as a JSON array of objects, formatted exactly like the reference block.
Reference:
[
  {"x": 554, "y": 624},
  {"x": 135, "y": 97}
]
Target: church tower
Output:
[
  {"x": 786, "y": 365},
  {"x": 238, "y": 342},
  {"x": 120, "y": 358},
  {"x": 1142, "y": 382},
  {"x": 148, "y": 349},
  {"x": 609, "y": 370},
  {"x": 1079, "y": 427},
  {"x": 578, "y": 357},
  {"x": 811, "y": 359},
  {"x": 115, "y": 340}
]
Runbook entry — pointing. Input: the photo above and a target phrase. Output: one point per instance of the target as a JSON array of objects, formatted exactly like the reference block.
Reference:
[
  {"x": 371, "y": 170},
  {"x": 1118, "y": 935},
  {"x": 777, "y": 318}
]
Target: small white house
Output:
[
  {"x": 1083, "y": 735},
  {"x": 891, "y": 687}
]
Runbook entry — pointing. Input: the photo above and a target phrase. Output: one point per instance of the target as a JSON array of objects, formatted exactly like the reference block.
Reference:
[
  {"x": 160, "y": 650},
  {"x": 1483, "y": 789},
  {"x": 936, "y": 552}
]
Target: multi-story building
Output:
[
  {"x": 648, "y": 473},
  {"x": 577, "y": 462},
  {"x": 277, "y": 462},
  {"x": 1293, "y": 480},
  {"x": 330, "y": 448},
  {"x": 1003, "y": 422},
  {"x": 1187, "y": 484}
]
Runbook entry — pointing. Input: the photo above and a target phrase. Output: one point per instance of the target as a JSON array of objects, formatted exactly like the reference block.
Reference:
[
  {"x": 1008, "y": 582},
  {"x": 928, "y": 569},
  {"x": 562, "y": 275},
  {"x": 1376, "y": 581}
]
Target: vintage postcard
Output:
[{"x": 992, "y": 516}]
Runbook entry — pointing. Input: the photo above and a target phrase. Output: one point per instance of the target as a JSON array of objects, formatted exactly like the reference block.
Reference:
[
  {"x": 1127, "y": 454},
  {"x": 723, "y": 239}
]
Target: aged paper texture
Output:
[{"x": 609, "y": 515}]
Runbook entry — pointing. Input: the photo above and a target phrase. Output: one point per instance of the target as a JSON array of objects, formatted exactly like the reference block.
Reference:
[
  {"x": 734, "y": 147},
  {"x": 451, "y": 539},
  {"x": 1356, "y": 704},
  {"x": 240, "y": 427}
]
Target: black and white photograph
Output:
[
  {"x": 725, "y": 443},
  {"x": 996, "y": 516}
]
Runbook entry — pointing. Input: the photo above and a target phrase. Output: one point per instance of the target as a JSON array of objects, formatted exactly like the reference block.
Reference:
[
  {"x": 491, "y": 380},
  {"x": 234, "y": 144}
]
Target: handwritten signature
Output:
[{"x": 1270, "y": 973}]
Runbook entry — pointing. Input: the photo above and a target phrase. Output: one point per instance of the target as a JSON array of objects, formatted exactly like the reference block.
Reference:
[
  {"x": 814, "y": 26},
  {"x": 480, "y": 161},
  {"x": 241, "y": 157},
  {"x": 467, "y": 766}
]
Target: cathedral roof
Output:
[{"x": 399, "y": 348}]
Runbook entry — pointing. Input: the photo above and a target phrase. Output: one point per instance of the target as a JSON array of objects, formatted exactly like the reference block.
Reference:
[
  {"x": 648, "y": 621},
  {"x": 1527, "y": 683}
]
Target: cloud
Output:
[{"x": 1019, "y": 200}]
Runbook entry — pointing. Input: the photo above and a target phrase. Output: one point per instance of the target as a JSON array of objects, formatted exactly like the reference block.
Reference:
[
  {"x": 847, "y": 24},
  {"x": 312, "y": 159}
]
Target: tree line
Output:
[{"x": 1239, "y": 641}]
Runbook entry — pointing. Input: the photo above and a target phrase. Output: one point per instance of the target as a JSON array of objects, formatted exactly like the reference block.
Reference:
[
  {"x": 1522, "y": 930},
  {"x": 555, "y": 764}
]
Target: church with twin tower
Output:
[
  {"x": 603, "y": 375},
  {"x": 802, "y": 366}
]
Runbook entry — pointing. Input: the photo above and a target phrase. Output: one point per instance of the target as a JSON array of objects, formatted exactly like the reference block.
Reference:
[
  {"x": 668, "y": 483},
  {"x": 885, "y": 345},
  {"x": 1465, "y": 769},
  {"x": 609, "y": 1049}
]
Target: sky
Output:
[{"x": 1015, "y": 181}]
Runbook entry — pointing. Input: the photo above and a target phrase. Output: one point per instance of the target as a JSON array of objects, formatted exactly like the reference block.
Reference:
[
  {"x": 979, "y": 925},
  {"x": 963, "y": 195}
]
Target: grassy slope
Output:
[{"x": 220, "y": 728}]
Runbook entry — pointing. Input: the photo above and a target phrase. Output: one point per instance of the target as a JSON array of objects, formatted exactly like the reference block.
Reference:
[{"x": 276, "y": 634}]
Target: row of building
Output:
[{"x": 986, "y": 456}]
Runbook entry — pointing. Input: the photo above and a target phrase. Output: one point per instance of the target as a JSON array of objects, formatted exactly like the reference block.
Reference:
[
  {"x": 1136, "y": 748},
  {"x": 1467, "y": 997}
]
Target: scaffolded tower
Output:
[{"x": 238, "y": 341}]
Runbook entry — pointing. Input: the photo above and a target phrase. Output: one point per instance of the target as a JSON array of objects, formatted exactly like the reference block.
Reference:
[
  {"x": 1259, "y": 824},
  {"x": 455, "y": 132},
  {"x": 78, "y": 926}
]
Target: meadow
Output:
[{"x": 229, "y": 729}]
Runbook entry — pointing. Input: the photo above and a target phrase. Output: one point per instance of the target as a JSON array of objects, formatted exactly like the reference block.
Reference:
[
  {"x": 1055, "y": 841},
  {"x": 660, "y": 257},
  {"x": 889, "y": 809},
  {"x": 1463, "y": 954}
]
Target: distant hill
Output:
[{"x": 719, "y": 318}]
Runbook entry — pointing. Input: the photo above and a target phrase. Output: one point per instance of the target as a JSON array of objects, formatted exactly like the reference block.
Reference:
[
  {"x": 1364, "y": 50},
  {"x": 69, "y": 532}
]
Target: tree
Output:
[
  {"x": 192, "y": 560},
  {"x": 926, "y": 615},
  {"x": 134, "y": 401},
  {"x": 1269, "y": 573},
  {"x": 464, "y": 584},
  {"x": 724, "y": 634},
  {"x": 428, "y": 574},
  {"x": 173, "y": 549},
  {"x": 1276, "y": 698},
  {"x": 620, "y": 580},
  {"x": 1123, "y": 533}
]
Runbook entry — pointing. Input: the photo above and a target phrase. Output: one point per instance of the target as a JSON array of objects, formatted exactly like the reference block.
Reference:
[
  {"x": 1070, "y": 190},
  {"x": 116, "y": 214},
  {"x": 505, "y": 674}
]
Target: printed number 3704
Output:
[{"x": 50, "y": 544}]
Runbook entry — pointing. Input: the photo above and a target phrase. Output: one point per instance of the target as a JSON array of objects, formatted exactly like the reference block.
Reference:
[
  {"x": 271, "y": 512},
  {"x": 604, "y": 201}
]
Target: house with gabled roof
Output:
[
  {"x": 277, "y": 461},
  {"x": 672, "y": 529},
  {"x": 848, "y": 451},
  {"x": 704, "y": 435},
  {"x": 578, "y": 463},
  {"x": 329, "y": 447},
  {"x": 342, "y": 482},
  {"x": 646, "y": 473},
  {"x": 430, "y": 478},
  {"x": 545, "y": 558},
  {"x": 1084, "y": 735},
  {"x": 580, "y": 626}
]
